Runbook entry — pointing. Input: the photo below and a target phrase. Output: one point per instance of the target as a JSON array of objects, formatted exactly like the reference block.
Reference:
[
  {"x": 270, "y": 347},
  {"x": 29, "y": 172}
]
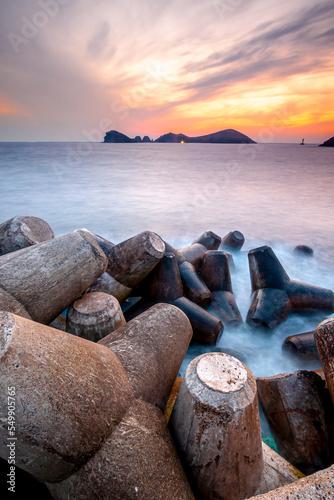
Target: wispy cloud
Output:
[
  {"x": 163, "y": 60},
  {"x": 280, "y": 49},
  {"x": 98, "y": 43}
]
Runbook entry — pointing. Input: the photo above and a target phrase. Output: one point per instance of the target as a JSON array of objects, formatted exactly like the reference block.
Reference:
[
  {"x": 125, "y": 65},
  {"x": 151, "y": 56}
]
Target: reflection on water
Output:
[{"x": 277, "y": 194}]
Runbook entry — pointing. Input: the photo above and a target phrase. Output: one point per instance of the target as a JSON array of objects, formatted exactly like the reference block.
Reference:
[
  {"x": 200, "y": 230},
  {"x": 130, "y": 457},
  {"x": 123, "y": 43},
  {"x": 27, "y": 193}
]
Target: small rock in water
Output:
[{"x": 304, "y": 250}]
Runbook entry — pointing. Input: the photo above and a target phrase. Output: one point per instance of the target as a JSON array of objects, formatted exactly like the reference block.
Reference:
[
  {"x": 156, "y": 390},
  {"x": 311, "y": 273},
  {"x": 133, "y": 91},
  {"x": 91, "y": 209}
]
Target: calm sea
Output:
[{"x": 275, "y": 194}]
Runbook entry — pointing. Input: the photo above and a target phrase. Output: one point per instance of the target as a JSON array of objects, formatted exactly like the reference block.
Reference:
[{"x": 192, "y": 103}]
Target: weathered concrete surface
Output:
[
  {"x": 151, "y": 348},
  {"x": 130, "y": 261},
  {"x": 230, "y": 260},
  {"x": 164, "y": 282},
  {"x": 150, "y": 468},
  {"x": 318, "y": 486},
  {"x": 233, "y": 241},
  {"x": 307, "y": 297},
  {"x": 207, "y": 329},
  {"x": 94, "y": 316},
  {"x": 107, "y": 284},
  {"x": 46, "y": 278},
  {"x": 324, "y": 338},
  {"x": 210, "y": 240},
  {"x": 9, "y": 303},
  {"x": 215, "y": 424},
  {"x": 194, "y": 287},
  {"x": 78, "y": 426},
  {"x": 226, "y": 308},
  {"x": 268, "y": 309},
  {"x": 301, "y": 345},
  {"x": 267, "y": 272},
  {"x": 194, "y": 254},
  {"x": 106, "y": 245},
  {"x": 277, "y": 471},
  {"x": 297, "y": 409},
  {"x": 23, "y": 231},
  {"x": 179, "y": 257},
  {"x": 215, "y": 272},
  {"x": 70, "y": 394}
]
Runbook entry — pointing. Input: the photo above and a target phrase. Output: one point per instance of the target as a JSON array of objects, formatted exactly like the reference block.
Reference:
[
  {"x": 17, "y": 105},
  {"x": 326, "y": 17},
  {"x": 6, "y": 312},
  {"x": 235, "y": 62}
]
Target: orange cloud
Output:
[{"x": 299, "y": 104}]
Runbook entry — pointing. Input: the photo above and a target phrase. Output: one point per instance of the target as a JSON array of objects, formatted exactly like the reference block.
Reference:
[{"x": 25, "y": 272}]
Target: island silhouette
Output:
[
  {"x": 328, "y": 144},
  {"x": 228, "y": 136}
]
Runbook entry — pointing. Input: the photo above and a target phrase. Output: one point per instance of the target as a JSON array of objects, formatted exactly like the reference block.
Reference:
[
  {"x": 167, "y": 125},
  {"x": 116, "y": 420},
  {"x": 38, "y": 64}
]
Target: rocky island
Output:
[
  {"x": 328, "y": 144},
  {"x": 117, "y": 137},
  {"x": 228, "y": 136}
]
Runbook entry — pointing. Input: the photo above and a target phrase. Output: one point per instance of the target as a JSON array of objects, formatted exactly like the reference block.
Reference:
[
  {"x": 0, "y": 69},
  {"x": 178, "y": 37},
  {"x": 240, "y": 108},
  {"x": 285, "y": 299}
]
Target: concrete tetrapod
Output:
[
  {"x": 151, "y": 348},
  {"x": 277, "y": 471},
  {"x": 269, "y": 308},
  {"x": 317, "y": 486},
  {"x": 129, "y": 263},
  {"x": 194, "y": 287},
  {"x": 138, "y": 461},
  {"x": 301, "y": 345},
  {"x": 275, "y": 295},
  {"x": 194, "y": 254},
  {"x": 216, "y": 426},
  {"x": 299, "y": 413},
  {"x": 324, "y": 339},
  {"x": 233, "y": 241},
  {"x": 106, "y": 245},
  {"x": 45, "y": 279},
  {"x": 79, "y": 426},
  {"x": 179, "y": 257},
  {"x": 105, "y": 283},
  {"x": 164, "y": 285},
  {"x": 164, "y": 282},
  {"x": 206, "y": 327},
  {"x": 210, "y": 240},
  {"x": 94, "y": 315},
  {"x": 23, "y": 231},
  {"x": 58, "y": 422},
  {"x": 215, "y": 272}
]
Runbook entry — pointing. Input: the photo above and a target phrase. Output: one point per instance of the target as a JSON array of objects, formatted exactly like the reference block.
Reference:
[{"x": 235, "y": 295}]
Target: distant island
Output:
[
  {"x": 114, "y": 136},
  {"x": 328, "y": 144},
  {"x": 228, "y": 136}
]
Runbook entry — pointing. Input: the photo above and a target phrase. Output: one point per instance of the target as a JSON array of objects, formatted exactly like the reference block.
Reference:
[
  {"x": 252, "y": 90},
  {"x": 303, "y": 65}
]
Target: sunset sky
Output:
[{"x": 72, "y": 69}]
